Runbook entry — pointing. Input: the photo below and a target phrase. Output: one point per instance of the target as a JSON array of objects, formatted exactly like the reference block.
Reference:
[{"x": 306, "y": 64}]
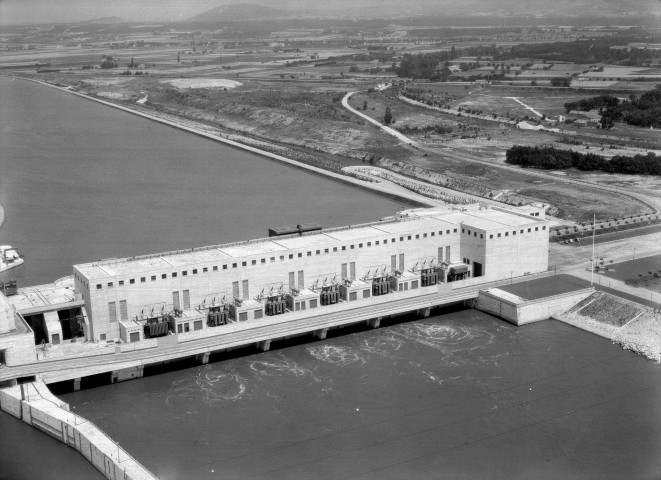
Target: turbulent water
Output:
[{"x": 457, "y": 395}]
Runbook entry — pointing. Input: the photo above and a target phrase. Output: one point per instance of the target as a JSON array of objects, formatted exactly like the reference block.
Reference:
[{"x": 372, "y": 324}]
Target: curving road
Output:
[{"x": 645, "y": 199}]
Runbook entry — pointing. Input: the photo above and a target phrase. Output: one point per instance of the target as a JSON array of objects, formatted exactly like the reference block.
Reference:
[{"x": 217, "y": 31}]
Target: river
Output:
[{"x": 457, "y": 395}]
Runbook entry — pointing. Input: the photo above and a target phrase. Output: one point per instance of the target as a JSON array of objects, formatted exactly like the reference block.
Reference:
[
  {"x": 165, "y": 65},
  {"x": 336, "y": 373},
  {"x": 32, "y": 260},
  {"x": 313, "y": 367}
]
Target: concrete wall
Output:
[
  {"x": 520, "y": 313},
  {"x": 517, "y": 254},
  {"x": 19, "y": 348},
  {"x": 6, "y": 315},
  {"x": 35, "y": 405},
  {"x": 204, "y": 286}
]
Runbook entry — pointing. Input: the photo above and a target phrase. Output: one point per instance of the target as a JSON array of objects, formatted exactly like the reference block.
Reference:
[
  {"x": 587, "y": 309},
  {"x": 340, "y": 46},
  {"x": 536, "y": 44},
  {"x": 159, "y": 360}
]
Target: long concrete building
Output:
[{"x": 191, "y": 294}]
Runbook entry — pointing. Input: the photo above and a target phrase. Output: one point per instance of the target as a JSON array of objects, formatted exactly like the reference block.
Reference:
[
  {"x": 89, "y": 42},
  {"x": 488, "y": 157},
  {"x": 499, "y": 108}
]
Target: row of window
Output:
[
  {"x": 507, "y": 234},
  {"x": 244, "y": 263}
]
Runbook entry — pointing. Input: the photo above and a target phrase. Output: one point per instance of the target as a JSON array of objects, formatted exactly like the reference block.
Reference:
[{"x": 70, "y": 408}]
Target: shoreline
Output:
[
  {"x": 375, "y": 188},
  {"x": 2, "y": 215}
]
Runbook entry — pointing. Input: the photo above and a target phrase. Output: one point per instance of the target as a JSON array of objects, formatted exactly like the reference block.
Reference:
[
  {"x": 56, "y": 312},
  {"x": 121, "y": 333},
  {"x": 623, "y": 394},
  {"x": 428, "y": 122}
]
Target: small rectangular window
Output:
[
  {"x": 440, "y": 232},
  {"x": 353, "y": 247},
  {"x": 543, "y": 228},
  {"x": 184, "y": 273},
  {"x": 234, "y": 265},
  {"x": 521, "y": 232},
  {"x": 366, "y": 293},
  {"x": 536, "y": 229},
  {"x": 481, "y": 235},
  {"x": 297, "y": 306},
  {"x": 291, "y": 256},
  {"x": 417, "y": 237},
  {"x": 344, "y": 247},
  {"x": 153, "y": 278},
  {"x": 143, "y": 279},
  {"x": 325, "y": 250},
  {"x": 369, "y": 244},
  {"x": 109, "y": 284},
  {"x": 513, "y": 232},
  {"x": 529, "y": 230},
  {"x": 318, "y": 252},
  {"x": 360, "y": 245},
  {"x": 392, "y": 241},
  {"x": 353, "y": 296},
  {"x": 132, "y": 281},
  {"x": 309, "y": 254},
  {"x": 272, "y": 259},
  {"x": 174, "y": 274},
  {"x": 244, "y": 264},
  {"x": 433, "y": 234},
  {"x": 121, "y": 283},
  {"x": 455, "y": 231},
  {"x": 499, "y": 235},
  {"x": 409, "y": 237},
  {"x": 463, "y": 231},
  {"x": 300, "y": 254},
  {"x": 205, "y": 270},
  {"x": 424, "y": 235},
  {"x": 507, "y": 234},
  {"x": 401, "y": 239},
  {"x": 164, "y": 276},
  {"x": 334, "y": 249},
  {"x": 313, "y": 303},
  {"x": 195, "y": 271},
  {"x": 224, "y": 267},
  {"x": 98, "y": 286},
  {"x": 376, "y": 243},
  {"x": 282, "y": 258},
  {"x": 258, "y": 314},
  {"x": 414, "y": 284},
  {"x": 254, "y": 262},
  {"x": 448, "y": 231}
]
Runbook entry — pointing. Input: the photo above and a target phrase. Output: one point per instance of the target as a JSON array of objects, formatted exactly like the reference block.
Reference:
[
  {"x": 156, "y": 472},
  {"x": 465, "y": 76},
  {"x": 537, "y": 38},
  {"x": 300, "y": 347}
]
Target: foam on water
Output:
[
  {"x": 336, "y": 355},
  {"x": 209, "y": 385},
  {"x": 282, "y": 366},
  {"x": 445, "y": 337}
]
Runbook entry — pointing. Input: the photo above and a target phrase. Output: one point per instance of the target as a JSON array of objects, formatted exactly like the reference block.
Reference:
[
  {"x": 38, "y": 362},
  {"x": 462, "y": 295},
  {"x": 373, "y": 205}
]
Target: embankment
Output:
[
  {"x": 192, "y": 127},
  {"x": 634, "y": 326},
  {"x": 35, "y": 405}
]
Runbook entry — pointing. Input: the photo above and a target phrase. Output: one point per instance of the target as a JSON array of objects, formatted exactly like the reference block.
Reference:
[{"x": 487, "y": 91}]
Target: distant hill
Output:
[
  {"x": 107, "y": 21},
  {"x": 239, "y": 12}
]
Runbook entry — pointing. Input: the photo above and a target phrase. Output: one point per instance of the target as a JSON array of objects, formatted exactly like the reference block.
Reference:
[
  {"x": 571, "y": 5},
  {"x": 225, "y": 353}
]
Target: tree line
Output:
[{"x": 551, "y": 158}]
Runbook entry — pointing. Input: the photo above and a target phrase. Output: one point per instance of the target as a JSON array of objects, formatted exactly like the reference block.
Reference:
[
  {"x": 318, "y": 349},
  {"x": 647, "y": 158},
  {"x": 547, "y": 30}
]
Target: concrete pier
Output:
[
  {"x": 128, "y": 374},
  {"x": 374, "y": 322},
  {"x": 264, "y": 346},
  {"x": 321, "y": 334},
  {"x": 203, "y": 358}
]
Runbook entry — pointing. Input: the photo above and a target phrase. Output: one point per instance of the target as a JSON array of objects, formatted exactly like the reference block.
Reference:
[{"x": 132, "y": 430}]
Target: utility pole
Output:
[{"x": 594, "y": 220}]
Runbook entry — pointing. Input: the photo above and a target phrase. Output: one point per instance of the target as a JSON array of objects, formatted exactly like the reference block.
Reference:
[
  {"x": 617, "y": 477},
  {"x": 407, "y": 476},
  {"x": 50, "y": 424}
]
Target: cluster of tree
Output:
[
  {"x": 108, "y": 62},
  {"x": 439, "y": 129},
  {"x": 643, "y": 112},
  {"x": 557, "y": 159},
  {"x": 137, "y": 72},
  {"x": 561, "y": 82},
  {"x": 424, "y": 65},
  {"x": 593, "y": 50},
  {"x": 587, "y": 104}
]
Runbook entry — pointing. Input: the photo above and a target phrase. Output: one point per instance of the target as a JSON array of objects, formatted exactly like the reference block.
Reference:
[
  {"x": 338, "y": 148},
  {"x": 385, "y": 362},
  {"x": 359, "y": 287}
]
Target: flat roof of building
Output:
[{"x": 411, "y": 221}]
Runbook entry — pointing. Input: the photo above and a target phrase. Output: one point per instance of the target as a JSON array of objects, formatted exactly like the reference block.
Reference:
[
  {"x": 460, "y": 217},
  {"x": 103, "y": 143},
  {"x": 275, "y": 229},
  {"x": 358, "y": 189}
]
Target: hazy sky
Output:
[
  {"x": 42, "y": 11},
  {"x": 39, "y": 11}
]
